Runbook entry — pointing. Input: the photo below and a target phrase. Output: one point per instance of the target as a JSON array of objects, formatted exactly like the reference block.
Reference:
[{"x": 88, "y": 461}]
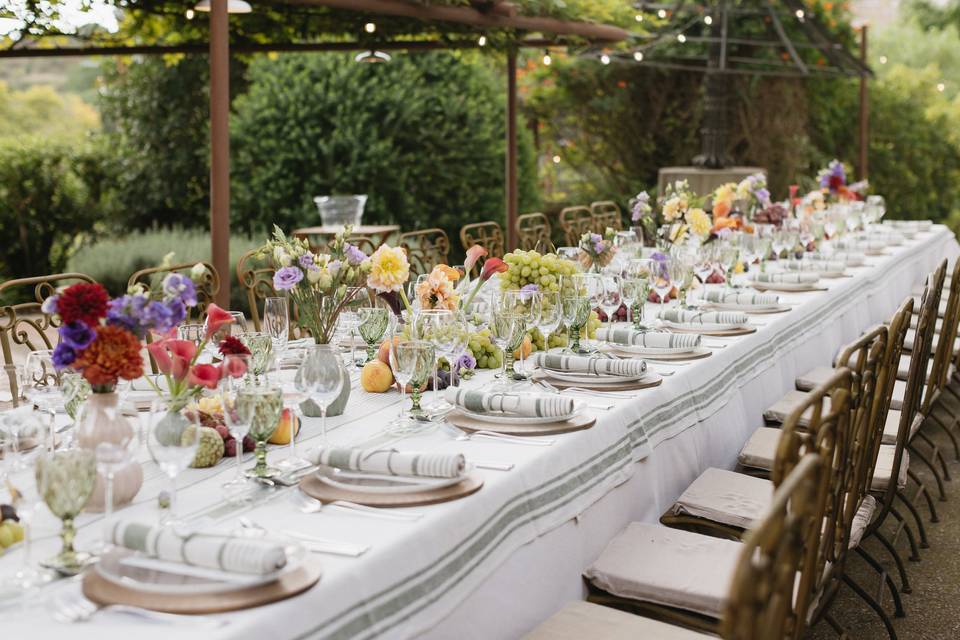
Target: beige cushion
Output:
[
  {"x": 727, "y": 497},
  {"x": 761, "y": 448},
  {"x": 588, "y": 621},
  {"x": 884, "y": 469},
  {"x": 942, "y": 309},
  {"x": 783, "y": 407},
  {"x": 899, "y": 393},
  {"x": 860, "y": 521},
  {"x": 814, "y": 378},
  {"x": 915, "y": 320},
  {"x": 671, "y": 567},
  {"x": 892, "y": 426},
  {"x": 903, "y": 369}
]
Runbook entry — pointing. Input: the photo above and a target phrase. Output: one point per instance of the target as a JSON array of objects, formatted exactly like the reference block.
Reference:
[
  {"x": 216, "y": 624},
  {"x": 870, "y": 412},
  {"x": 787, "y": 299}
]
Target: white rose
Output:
[
  {"x": 198, "y": 271},
  {"x": 313, "y": 275}
]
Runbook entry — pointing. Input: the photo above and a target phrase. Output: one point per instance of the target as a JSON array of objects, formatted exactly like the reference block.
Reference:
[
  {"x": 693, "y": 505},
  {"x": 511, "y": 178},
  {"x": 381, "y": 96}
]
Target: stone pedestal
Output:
[{"x": 703, "y": 181}]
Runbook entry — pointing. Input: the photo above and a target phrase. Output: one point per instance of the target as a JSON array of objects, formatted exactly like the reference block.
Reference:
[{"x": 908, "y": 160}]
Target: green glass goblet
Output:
[
  {"x": 373, "y": 325},
  {"x": 65, "y": 481},
  {"x": 265, "y": 403},
  {"x": 261, "y": 351}
]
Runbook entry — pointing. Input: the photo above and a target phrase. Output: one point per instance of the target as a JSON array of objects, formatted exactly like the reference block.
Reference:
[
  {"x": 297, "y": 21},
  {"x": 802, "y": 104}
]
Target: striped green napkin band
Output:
[
  {"x": 390, "y": 461},
  {"x": 650, "y": 339},
  {"x": 820, "y": 266},
  {"x": 743, "y": 298},
  {"x": 685, "y": 316},
  {"x": 590, "y": 365},
  {"x": 533, "y": 405},
  {"x": 789, "y": 278}
]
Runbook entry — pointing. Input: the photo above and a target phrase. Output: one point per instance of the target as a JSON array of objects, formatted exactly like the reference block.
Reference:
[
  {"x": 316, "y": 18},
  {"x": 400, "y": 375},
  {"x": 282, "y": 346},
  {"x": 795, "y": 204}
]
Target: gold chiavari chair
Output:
[
  {"x": 761, "y": 601},
  {"x": 486, "y": 234},
  {"x": 576, "y": 221},
  {"x": 255, "y": 275},
  {"x": 425, "y": 249},
  {"x": 207, "y": 288},
  {"x": 606, "y": 214},
  {"x": 24, "y": 326},
  {"x": 534, "y": 233}
]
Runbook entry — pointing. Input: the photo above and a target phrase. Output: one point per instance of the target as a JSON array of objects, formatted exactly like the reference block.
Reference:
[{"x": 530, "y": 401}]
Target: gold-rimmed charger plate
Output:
[
  {"x": 576, "y": 423},
  {"x": 315, "y": 487},
  {"x": 104, "y": 592}
]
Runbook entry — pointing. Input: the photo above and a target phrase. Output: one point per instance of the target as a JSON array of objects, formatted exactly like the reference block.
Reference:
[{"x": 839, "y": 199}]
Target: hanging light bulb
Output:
[
  {"x": 638, "y": 56},
  {"x": 370, "y": 27},
  {"x": 233, "y": 6},
  {"x": 190, "y": 14},
  {"x": 883, "y": 59},
  {"x": 372, "y": 56},
  {"x": 662, "y": 14},
  {"x": 681, "y": 38},
  {"x": 556, "y": 159},
  {"x": 482, "y": 41},
  {"x": 800, "y": 14},
  {"x": 605, "y": 59},
  {"x": 546, "y": 58},
  {"x": 941, "y": 87},
  {"x": 708, "y": 20},
  {"x": 638, "y": 17}
]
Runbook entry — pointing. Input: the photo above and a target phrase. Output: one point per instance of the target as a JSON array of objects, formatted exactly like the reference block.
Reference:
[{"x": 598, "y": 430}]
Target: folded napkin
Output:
[
  {"x": 861, "y": 245},
  {"x": 213, "y": 551},
  {"x": 534, "y": 405},
  {"x": 390, "y": 462},
  {"x": 792, "y": 278},
  {"x": 744, "y": 299},
  {"x": 651, "y": 339},
  {"x": 684, "y": 316},
  {"x": 590, "y": 365},
  {"x": 851, "y": 258},
  {"x": 820, "y": 266}
]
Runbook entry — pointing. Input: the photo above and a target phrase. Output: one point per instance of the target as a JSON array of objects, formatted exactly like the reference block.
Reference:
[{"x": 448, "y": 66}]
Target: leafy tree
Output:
[
  {"x": 40, "y": 110},
  {"x": 422, "y": 135}
]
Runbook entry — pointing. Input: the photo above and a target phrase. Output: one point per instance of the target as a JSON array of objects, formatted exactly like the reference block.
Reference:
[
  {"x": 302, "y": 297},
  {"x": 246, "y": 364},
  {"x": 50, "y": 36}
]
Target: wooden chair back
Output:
[
  {"x": 24, "y": 327},
  {"x": 940, "y": 345},
  {"x": 255, "y": 275},
  {"x": 761, "y": 601},
  {"x": 534, "y": 233},
  {"x": 576, "y": 221},
  {"x": 486, "y": 234},
  {"x": 207, "y": 288},
  {"x": 606, "y": 213},
  {"x": 425, "y": 249}
]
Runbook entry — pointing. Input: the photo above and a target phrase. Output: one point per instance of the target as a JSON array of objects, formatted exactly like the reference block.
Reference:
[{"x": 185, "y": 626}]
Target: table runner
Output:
[{"x": 467, "y": 568}]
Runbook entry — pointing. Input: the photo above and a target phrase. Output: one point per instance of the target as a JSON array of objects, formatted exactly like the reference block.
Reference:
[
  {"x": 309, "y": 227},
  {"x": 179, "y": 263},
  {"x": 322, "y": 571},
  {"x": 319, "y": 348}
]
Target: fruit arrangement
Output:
[
  {"x": 530, "y": 267},
  {"x": 11, "y": 531},
  {"x": 210, "y": 413},
  {"x": 210, "y": 447},
  {"x": 620, "y": 315},
  {"x": 483, "y": 350}
]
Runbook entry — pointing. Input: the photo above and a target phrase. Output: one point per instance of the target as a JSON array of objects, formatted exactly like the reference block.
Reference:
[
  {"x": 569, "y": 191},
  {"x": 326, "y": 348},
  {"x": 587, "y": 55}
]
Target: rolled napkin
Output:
[
  {"x": 651, "y": 339},
  {"x": 788, "y": 278},
  {"x": 685, "y": 316},
  {"x": 741, "y": 298},
  {"x": 860, "y": 245},
  {"x": 591, "y": 365},
  {"x": 820, "y": 266},
  {"x": 533, "y": 405},
  {"x": 213, "y": 551},
  {"x": 390, "y": 462},
  {"x": 851, "y": 258}
]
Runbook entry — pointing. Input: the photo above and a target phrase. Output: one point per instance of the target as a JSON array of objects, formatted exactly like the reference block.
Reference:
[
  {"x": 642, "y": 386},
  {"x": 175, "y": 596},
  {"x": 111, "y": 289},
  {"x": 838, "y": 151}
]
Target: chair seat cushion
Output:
[
  {"x": 911, "y": 334},
  {"x": 761, "y": 449},
  {"x": 884, "y": 469},
  {"x": 899, "y": 393},
  {"x": 783, "y": 407},
  {"x": 814, "y": 378},
  {"x": 727, "y": 497},
  {"x": 892, "y": 426},
  {"x": 860, "y": 521},
  {"x": 903, "y": 369},
  {"x": 670, "y": 567},
  {"x": 583, "y": 620}
]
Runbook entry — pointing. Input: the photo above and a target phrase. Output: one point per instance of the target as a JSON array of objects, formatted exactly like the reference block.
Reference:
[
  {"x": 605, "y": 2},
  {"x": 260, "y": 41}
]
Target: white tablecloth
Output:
[{"x": 497, "y": 563}]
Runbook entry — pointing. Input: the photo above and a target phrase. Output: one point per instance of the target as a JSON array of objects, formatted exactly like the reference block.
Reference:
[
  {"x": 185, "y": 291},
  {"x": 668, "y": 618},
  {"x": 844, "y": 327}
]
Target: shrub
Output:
[
  {"x": 113, "y": 260},
  {"x": 422, "y": 135}
]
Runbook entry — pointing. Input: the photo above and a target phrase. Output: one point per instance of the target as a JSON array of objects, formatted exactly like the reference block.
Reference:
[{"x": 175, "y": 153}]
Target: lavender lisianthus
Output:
[
  {"x": 179, "y": 286},
  {"x": 77, "y": 335},
  {"x": 306, "y": 261},
  {"x": 127, "y": 312},
  {"x": 465, "y": 362},
  {"x": 159, "y": 316},
  {"x": 641, "y": 206},
  {"x": 49, "y": 305},
  {"x": 286, "y": 278},
  {"x": 354, "y": 255},
  {"x": 334, "y": 267},
  {"x": 763, "y": 195},
  {"x": 63, "y": 356},
  {"x": 527, "y": 291}
]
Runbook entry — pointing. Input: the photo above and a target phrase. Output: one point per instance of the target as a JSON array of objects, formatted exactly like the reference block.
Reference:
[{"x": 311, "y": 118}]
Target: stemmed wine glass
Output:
[
  {"x": 412, "y": 362},
  {"x": 506, "y": 328},
  {"x": 348, "y": 322},
  {"x": 577, "y": 294},
  {"x": 276, "y": 324},
  {"x": 660, "y": 280},
  {"x": 729, "y": 257},
  {"x": 611, "y": 296},
  {"x": 634, "y": 283},
  {"x": 446, "y": 331},
  {"x": 527, "y": 305},
  {"x": 113, "y": 453},
  {"x": 65, "y": 482},
  {"x": 237, "y": 416},
  {"x": 19, "y": 430},
  {"x": 551, "y": 315},
  {"x": 751, "y": 247},
  {"x": 321, "y": 378},
  {"x": 373, "y": 321},
  {"x": 173, "y": 435},
  {"x": 42, "y": 387}
]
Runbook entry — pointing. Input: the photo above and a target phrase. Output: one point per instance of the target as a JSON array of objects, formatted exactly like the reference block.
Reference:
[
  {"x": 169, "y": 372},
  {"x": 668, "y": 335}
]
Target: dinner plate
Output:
[
  {"x": 586, "y": 378},
  {"x": 705, "y": 326},
  {"x": 382, "y": 483},
  {"x": 503, "y": 416},
  {"x": 638, "y": 350},
  {"x": 747, "y": 308},
  {"x": 696, "y": 354},
  {"x": 130, "y": 569},
  {"x": 787, "y": 286}
]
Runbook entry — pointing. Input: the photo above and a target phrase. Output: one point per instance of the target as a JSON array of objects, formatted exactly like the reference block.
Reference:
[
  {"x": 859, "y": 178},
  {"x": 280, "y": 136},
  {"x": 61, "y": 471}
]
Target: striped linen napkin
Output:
[
  {"x": 791, "y": 278},
  {"x": 592, "y": 365},
  {"x": 213, "y": 551},
  {"x": 533, "y": 405},
  {"x": 861, "y": 245},
  {"x": 390, "y": 461},
  {"x": 820, "y": 266},
  {"x": 652, "y": 339},
  {"x": 744, "y": 299},
  {"x": 685, "y": 316},
  {"x": 851, "y": 258}
]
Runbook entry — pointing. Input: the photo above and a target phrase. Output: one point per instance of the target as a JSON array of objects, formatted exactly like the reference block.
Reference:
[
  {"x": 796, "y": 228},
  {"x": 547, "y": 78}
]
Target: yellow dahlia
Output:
[
  {"x": 389, "y": 269},
  {"x": 699, "y": 222}
]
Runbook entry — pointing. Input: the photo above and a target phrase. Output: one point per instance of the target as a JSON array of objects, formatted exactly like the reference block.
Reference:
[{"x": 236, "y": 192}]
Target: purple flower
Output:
[
  {"x": 127, "y": 312},
  {"x": 179, "y": 286},
  {"x": 49, "y": 305},
  {"x": 763, "y": 195},
  {"x": 77, "y": 335},
  {"x": 834, "y": 176},
  {"x": 178, "y": 312},
  {"x": 334, "y": 267},
  {"x": 159, "y": 316},
  {"x": 286, "y": 278},
  {"x": 466, "y": 361},
  {"x": 527, "y": 291},
  {"x": 306, "y": 261},
  {"x": 353, "y": 254},
  {"x": 63, "y": 356}
]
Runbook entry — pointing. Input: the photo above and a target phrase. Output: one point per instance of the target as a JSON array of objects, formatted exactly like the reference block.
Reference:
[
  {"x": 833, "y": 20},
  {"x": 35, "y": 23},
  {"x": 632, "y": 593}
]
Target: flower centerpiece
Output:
[
  {"x": 832, "y": 181},
  {"x": 596, "y": 251},
  {"x": 683, "y": 216}
]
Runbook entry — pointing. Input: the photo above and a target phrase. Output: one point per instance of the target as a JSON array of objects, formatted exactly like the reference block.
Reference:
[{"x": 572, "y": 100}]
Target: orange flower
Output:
[
  {"x": 114, "y": 354},
  {"x": 452, "y": 274},
  {"x": 721, "y": 209},
  {"x": 725, "y": 222}
]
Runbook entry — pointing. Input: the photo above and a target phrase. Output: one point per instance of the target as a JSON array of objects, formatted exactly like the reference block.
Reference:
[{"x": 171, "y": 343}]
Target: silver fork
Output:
[
  {"x": 79, "y": 609},
  {"x": 463, "y": 436},
  {"x": 309, "y": 504},
  {"x": 602, "y": 394}
]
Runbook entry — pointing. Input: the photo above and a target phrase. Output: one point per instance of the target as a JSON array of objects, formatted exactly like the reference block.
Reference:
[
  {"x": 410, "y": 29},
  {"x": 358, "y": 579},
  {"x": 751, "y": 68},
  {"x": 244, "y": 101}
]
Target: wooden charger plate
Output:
[
  {"x": 780, "y": 308},
  {"x": 582, "y": 421},
  {"x": 740, "y": 331},
  {"x": 317, "y": 488},
  {"x": 697, "y": 354},
  {"x": 104, "y": 592},
  {"x": 773, "y": 286},
  {"x": 650, "y": 380}
]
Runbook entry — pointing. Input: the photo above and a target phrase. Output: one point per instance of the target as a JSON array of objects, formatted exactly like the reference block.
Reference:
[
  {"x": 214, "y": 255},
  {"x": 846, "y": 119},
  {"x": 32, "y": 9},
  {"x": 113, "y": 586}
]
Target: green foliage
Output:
[
  {"x": 113, "y": 260},
  {"x": 50, "y": 195},
  {"x": 40, "y": 110},
  {"x": 422, "y": 135}
]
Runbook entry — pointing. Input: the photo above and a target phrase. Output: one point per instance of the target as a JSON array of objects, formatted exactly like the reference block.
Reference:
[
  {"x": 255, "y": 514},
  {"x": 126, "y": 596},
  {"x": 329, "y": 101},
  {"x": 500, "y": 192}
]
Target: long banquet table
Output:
[{"x": 496, "y": 563}]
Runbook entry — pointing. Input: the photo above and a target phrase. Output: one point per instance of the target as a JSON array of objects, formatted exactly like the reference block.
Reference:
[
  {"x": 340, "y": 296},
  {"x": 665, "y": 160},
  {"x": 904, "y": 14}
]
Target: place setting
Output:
[
  {"x": 750, "y": 302},
  {"x": 707, "y": 323},
  {"x": 658, "y": 346},
  {"x": 520, "y": 414},
  {"x": 594, "y": 373},
  {"x": 788, "y": 282}
]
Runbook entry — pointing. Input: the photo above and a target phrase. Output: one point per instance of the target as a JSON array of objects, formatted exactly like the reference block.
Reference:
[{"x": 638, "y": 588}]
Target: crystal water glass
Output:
[
  {"x": 261, "y": 352},
  {"x": 551, "y": 315},
  {"x": 660, "y": 280},
  {"x": 612, "y": 296},
  {"x": 42, "y": 387},
  {"x": 65, "y": 482},
  {"x": 446, "y": 331},
  {"x": 276, "y": 323},
  {"x": 192, "y": 332},
  {"x": 527, "y": 305},
  {"x": 173, "y": 436},
  {"x": 236, "y": 416},
  {"x": 18, "y": 431},
  {"x": 374, "y": 320},
  {"x": 412, "y": 362},
  {"x": 321, "y": 378},
  {"x": 634, "y": 283}
]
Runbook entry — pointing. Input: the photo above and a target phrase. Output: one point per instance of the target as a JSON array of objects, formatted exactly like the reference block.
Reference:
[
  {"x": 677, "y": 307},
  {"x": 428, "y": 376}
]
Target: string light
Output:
[
  {"x": 800, "y": 14},
  {"x": 662, "y": 14},
  {"x": 370, "y": 27},
  {"x": 681, "y": 38},
  {"x": 482, "y": 41},
  {"x": 638, "y": 18},
  {"x": 605, "y": 59},
  {"x": 546, "y": 58},
  {"x": 638, "y": 56},
  {"x": 556, "y": 159},
  {"x": 190, "y": 14},
  {"x": 883, "y": 59},
  {"x": 708, "y": 20},
  {"x": 941, "y": 87}
]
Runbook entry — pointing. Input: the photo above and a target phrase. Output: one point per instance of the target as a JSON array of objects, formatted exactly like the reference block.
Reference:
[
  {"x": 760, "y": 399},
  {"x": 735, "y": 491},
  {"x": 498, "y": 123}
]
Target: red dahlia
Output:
[
  {"x": 84, "y": 302},
  {"x": 231, "y": 346}
]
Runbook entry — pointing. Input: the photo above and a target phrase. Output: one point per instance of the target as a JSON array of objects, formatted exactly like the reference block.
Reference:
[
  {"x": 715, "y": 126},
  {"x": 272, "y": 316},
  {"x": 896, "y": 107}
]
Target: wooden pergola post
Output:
[
  {"x": 864, "y": 109},
  {"x": 510, "y": 189},
  {"x": 220, "y": 147}
]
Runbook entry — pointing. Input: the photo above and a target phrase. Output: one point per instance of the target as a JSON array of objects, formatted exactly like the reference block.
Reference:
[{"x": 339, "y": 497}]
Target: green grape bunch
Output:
[
  {"x": 530, "y": 267},
  {"x": 481, "y": 347}
]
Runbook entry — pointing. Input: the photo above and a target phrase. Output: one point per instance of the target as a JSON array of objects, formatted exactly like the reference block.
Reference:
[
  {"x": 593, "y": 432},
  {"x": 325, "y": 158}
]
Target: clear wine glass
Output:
[
  {"x": 506, "y": 328},
  {"x": 527, "y": 305},
  {"x": 112, "y": 455},
  {"x": 321, "y": 377},
  {"x": 237, "y": 417},
  {"x": 173, "y": 435},
  {"x": 21, "y": 431},
  {"x": 634, "y": 282},
  {"x": 611, "y": 297},
  {"x": 660, "y": 280},
  {"x": 276, "y": 324},
  {"x": 438, "y": 327},
  {"x": 348, "y": 322},
  {"x": 42, "y": 387},
  {"x": 412, "y": 362},
  {"x": 551, "y": 315}
]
